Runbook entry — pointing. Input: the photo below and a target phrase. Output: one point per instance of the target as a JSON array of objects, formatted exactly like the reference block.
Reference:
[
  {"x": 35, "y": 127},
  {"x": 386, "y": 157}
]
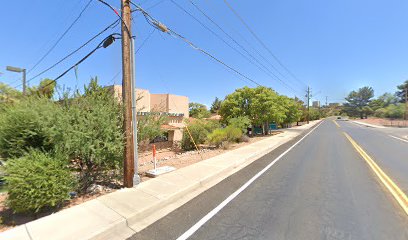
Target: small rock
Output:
[
  {"x": 94, "y": 189},
  {"x": 73, "y": 194}
]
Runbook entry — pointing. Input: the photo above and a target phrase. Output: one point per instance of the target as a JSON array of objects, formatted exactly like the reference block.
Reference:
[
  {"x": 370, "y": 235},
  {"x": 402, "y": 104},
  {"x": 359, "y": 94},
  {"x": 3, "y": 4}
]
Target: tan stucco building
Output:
[{"x": 173, "y": 106}]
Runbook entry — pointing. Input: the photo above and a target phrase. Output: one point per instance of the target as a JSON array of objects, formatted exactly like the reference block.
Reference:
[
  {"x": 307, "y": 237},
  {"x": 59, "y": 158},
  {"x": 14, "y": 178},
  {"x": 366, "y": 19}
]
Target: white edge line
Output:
[
  {"x": 212, "y": 213},
  {"x": 401, "y": 139}
]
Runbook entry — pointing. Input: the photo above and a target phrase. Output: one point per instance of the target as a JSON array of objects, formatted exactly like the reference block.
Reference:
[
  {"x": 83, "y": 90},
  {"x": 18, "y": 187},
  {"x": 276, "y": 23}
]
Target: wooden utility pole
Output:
[
  {"x": 308, "y": 104},
  {"x": 129, "y": 167},
  {"x": 406, "y": 103}
]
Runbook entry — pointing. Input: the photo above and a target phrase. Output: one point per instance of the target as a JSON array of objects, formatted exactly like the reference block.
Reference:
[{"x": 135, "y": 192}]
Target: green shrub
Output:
[
  {"x": 93, "y": 134},
  {"x": 381, "y": 113},
  {"x": 28, "y": 123},
  {"x": 37, "y": 181},
  {"x": 149, "y": 127},
  {"x": 233, "y": 133},
  {"x": 199, "y": 130},
  {"x": 395, "y": 111},
  {"x": 240, "y": 122},
  {"x": 220, "y": 136},
  {"x": 217, "y": 137}
]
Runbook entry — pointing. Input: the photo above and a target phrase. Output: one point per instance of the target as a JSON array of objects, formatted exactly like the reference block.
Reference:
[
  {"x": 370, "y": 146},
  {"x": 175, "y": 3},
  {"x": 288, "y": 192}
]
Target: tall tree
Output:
[
  {"x": 401, "y": 91},
  {"x": 357, "y": 102},
  {"x": 261, "y": 105},
  {"x": 383, "y": 101},
  {"x": 198, "y": 110},
  {"x": 216, "y": 105}
]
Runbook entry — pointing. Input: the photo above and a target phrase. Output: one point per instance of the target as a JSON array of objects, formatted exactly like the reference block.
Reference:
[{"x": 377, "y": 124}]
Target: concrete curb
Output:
[
  {"x": 120, "y": 214},
  {"x": 369, "y": 125}
]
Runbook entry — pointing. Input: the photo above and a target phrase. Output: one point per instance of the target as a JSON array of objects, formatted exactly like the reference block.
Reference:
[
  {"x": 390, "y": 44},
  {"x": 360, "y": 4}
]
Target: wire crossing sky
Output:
[{"x": 333, "y": 46}]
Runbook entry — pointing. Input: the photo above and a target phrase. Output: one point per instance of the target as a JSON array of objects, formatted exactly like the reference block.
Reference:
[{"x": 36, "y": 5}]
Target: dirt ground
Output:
[
  {"x": 165, "y": 157},
  {"x": 385, "y": 122}
]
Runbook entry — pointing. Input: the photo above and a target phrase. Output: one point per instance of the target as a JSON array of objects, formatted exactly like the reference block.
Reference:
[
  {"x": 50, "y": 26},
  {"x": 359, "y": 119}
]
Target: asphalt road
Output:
[{"x": 320, "y": 189}]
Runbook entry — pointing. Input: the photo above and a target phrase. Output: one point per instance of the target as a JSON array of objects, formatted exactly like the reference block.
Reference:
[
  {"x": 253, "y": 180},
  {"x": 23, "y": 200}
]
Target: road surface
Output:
[{"x": 321, "y": 188}]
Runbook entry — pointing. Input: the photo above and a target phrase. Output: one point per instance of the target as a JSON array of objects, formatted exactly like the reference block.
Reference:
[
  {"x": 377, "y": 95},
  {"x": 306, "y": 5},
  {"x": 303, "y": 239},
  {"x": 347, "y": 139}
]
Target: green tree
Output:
[
  {"x": 401, "y": 91},
  {"x": 261, "y": 105},
  {"x": 357, "y": 102},
  {"x": 46, "y": 88},
  {"x": 198, "y": 110},
  {"x": 240, "y": 122},
  {"x": 383, "y": 101},
  {"x": 216, "y": 105},
  {"x": 237, "y": 104},
  {"x": 294, "y": 112}
]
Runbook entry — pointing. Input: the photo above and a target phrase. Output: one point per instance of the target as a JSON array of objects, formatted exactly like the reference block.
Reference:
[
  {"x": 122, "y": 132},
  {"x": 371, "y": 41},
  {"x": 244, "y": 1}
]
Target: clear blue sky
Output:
[{"x": 334, "y": 46}]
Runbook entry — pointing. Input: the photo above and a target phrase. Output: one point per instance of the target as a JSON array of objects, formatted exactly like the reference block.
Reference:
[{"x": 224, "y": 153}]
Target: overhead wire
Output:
[
  {"x": 119, "y": 16},
  {"x": 111, "y": 37},
  {"x": 61, "y": 37},
  {"x": 262, "y": 43},
  {"x": 137, "y": 50},
  {"x": 110, "y": 26},
  {"x": 160, "y": 26},
  {"x": 268, "y": 71}
]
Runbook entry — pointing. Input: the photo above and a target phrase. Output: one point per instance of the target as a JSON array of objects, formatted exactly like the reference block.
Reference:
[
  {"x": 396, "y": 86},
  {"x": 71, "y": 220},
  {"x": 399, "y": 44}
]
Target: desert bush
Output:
[
  {"x": 149, "y": 127},
  {"x": 29, "y": 123},
  {"x": 233, "y": 134},
  {"x": 199, "y": 130},
  {"x": 381, "y": 113},
  {"x": 93, "y": 134},
  {"x": 37, "y": 181},
  {"x": 228, "y": 134},
  {"x": 395, "y": 111},
  {"x": 217, "y": 137}
]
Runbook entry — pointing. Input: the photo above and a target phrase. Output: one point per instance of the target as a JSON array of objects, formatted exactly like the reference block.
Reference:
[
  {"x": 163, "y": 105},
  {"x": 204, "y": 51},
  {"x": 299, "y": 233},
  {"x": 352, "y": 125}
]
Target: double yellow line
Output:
[{"x": 397, "y": 193}]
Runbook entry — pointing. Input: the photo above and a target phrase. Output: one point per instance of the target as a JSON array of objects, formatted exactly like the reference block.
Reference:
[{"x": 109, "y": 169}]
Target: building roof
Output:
[{"x": 168, "y": 127}]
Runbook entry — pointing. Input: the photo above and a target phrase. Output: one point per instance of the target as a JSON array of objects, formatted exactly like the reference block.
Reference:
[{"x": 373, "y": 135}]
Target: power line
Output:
[
  {"x": 145, "y": 40},
  {"x": 269, "y": 72},
  {"x": 61, "y": 37},
  {"x": 261, "y": 42},
  {"x": 137, "y": 50},
  {"x": 119, "y": 16},
  {"x": 104, "y": 43},
  {"x": 246, "y": 41},
  {"x": 160, "y": 26},
  {"x": 112, "y": 25}
]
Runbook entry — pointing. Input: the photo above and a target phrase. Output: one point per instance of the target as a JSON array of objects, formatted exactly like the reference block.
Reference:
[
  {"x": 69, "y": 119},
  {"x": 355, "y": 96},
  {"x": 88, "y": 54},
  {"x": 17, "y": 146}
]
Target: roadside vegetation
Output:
[
  {"x": 58, "y": 148},
  {"x": 80, "y": 133},
  {"x": 244, "y": 109},
  {"x": 362, "y": 104}
]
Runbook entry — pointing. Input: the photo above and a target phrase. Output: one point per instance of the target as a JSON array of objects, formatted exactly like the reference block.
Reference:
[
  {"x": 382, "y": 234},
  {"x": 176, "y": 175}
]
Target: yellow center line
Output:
[
  {"x": 336, "y": 123},
  {"x": 396, "y": 192}
]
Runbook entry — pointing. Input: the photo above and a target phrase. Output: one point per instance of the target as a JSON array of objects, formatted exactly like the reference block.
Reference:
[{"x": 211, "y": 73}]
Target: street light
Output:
[{"x": 23, "y": 70}]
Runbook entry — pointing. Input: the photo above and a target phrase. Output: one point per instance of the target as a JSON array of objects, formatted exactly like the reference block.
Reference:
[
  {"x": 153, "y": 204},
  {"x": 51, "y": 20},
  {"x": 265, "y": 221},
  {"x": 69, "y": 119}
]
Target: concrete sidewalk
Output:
[{"x": 120, "y": 214}]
